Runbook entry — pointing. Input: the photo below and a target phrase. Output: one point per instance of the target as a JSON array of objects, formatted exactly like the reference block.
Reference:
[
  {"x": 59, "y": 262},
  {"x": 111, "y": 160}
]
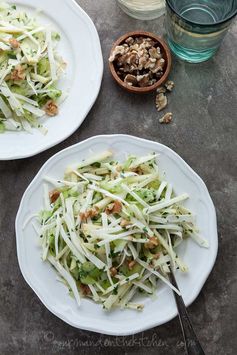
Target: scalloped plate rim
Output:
[{"x": 104, "y": 329}]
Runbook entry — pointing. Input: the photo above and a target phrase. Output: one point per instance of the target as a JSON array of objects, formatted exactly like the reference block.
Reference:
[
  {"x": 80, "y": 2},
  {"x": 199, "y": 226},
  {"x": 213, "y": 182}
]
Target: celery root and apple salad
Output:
[
  {"x": 111, "y": 229},
  {"x": 30, "y": 68}
]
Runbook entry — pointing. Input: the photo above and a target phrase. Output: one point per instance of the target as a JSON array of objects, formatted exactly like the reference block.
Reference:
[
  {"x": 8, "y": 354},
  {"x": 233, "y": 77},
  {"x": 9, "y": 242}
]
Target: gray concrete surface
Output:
[{"x": 203, "y": 132}]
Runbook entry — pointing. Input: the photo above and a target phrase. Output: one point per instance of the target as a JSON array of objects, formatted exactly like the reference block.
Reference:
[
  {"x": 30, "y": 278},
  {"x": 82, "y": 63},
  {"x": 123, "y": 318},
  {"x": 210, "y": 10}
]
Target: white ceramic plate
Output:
[
  {"x": 42, "y": 278},
  {"x": 80, "y": 47}
]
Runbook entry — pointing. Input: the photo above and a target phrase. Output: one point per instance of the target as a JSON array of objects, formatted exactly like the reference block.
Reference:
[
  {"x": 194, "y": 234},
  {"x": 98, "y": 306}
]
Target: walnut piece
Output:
[
  {"x": 161, "y": 90},
  {"x": 143, "y": 80},
  {"x": 18, "y": 73},
  {"x": 93, "y": 212},
  {"x": 54, "y": 195},
  {"x": 167, "y": 118},
  {"x": 51, "y": 108},
  {"x": 113, "y": 271},
  {"x": 119, "y": 50},
  {"x": 130, "y": 79},
  {"x": 155, "y": 53},
  {"x": 152, "y": 243},
  {"x": 115, "y": 207},
  {"x": 169, "y": 85},
  {"x": 14, "y": 43},
  {"x": 138, "y": 61},
  {"x": 158, "y": 67},
  {"x": 161, "y": 102},
  {"x": 129, "y": 41},
  {"x": 85, "y": 289}
]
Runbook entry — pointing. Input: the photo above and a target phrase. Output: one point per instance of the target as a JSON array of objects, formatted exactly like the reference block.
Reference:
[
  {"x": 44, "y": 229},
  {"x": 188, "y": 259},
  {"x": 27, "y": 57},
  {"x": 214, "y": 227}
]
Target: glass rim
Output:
[{"x": 201, "y": 24}]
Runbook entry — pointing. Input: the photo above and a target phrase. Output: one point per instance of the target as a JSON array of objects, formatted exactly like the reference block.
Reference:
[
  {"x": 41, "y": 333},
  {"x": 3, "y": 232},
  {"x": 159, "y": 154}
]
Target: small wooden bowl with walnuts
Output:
[{"x": 140, "y": 61}]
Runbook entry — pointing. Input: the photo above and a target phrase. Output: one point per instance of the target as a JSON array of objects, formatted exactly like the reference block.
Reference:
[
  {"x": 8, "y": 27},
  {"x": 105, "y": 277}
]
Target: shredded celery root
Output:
[
  {"x": 111, "y": 229},
  {"x": 29, "y": 70}
]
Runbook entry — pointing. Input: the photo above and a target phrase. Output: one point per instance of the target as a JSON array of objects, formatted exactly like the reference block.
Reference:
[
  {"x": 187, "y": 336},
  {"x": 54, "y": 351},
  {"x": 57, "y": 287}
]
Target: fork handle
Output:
[{"x": 192, "y": 344}]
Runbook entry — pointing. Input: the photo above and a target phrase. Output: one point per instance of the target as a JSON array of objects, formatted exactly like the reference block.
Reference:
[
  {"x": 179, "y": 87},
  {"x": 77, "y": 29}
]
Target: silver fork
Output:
[{"x": 192, "y": 344}]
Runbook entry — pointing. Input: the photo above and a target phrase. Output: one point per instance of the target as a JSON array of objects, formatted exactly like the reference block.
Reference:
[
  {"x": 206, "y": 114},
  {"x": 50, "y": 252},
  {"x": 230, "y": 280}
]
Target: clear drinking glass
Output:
[
  {"x": 195, "y": 28},
  {"x": 143, "y": 9}
]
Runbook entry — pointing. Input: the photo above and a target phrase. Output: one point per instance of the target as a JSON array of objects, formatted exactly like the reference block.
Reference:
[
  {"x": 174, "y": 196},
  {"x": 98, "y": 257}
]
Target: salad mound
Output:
[
  {"x": 111, "y": 229},
  {"x": 29, "y": 70}
]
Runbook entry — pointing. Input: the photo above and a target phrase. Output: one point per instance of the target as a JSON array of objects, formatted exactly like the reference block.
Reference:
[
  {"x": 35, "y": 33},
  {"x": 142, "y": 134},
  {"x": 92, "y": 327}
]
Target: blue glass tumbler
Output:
[{"x": 196, "y": 28}]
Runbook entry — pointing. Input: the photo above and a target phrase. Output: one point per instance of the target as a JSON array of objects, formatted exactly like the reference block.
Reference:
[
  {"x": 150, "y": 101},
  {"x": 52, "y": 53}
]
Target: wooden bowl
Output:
[{"x": 165, "y": 53}]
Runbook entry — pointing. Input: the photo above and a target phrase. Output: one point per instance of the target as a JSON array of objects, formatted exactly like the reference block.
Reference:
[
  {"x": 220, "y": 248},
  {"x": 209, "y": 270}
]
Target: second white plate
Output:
[
  {"x": 80, "y": 48},
  {"x": 42, "y": 278}
]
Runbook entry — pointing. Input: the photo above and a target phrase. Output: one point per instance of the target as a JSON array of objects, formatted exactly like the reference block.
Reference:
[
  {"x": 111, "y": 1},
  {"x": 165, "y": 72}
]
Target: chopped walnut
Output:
[
  {"x": 152, "y": 243},
  {"x": 138, "y": 61},
  {"x": 161, "y": 102},
  {"x": 131, "y": 264},
  {"x": 143, "y": 80},
  {"x": 113, "y": 271},
  {"x": 89, "y": 214},
  {"x": 85, "y": 289},
  {"x": 134, "y": 48},
  {"x": 18, "y": 73},
  {"x": 51, "y": 108},
  {"x": 129, "y": 41},
  {"x": 169, "y": 85},
  {"x": 54, "y": 195},
  {"x": 142, "y": 62},
  {"x": 119, "y": 50},
  {"x": 167, "y": 118},
  {"x": 130, "y": 80},
  {"x": 147, "y": 43},
  {"x": 115, "y": 207},
  {"x": 155, "y": 53},
  {"x": 150, "y": 64},
  {"x": 132, "y": 60},
  {"x": 161, "y": 90},
  {"x": 14, "y": 43},
  {"x": 158, "y": 67}
]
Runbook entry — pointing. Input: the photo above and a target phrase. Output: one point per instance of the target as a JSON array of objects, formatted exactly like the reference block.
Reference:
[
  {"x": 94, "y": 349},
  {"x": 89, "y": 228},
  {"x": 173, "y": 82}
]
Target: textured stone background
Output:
[{"x": 204, "y": 134}]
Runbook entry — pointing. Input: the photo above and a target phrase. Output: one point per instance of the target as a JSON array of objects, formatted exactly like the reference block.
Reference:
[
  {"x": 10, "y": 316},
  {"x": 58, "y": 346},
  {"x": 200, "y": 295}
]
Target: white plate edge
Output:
[{"x": 139, "y": 328}]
